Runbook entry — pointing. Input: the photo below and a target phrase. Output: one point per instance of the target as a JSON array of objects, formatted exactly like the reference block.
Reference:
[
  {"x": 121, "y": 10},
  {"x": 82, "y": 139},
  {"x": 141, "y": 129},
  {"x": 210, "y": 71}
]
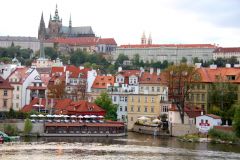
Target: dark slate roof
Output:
[{"x": 77, "y": 30}]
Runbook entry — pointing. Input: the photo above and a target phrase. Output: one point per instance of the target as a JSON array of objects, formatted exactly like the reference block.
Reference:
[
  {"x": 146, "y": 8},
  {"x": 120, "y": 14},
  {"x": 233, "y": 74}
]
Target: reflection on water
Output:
[{"x": 134, "y": 146}]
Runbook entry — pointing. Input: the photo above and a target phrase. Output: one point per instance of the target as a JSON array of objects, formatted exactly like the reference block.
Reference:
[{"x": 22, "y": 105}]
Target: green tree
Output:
[
  {"x": 222, "y": 97},
  {"x": 105, "y": 102},
  {"x": 120, "y": 59},
  {"x": 236, "y": 124},
  {"x": 51, "y": 52},
  {"x": 27, "y": 126},
  {"x": 184, "y": 60}
]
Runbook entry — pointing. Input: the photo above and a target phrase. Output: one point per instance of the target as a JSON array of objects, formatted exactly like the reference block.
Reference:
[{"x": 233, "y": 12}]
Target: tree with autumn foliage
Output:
[
  {"x": 179, "y": 79},
  {"x": 56, "y": 89}
]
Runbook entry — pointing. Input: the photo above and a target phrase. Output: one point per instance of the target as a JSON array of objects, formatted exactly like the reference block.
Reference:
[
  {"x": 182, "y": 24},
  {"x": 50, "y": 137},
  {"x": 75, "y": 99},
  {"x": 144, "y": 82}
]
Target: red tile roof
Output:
[
  {"x": 83, "y": 41},
  {"x": 4, "y": 84},
  {"x": 127, "y": 73},
  {"x": 168, "y": 45},
  {"x": 209, "y": 75},
  {"x": 56, "y": 70},
  {"x": 67, "y": 106},
  {"x": 227, "y": 49},
  {"x": 101, "y": 82},
  {"x": 192, "y": 112},
  {"x": 147, "y": 78},
  {"x": 21, "y": 73},
  {"x": 30, "y": 106}
]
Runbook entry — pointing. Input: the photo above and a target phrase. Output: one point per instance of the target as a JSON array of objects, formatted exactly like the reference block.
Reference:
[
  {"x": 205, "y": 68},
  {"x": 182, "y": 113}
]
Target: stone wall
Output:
[
  {"x": 37, "y": 127},
  {"x": 182, "y": 129},
  {"x": 149, "y": 130}
]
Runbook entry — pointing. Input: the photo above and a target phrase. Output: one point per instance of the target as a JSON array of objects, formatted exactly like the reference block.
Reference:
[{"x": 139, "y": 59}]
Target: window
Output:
[
  {"x": 132, "y": 108},
  {"x": 145, "y": 99},
  {"x": 152, "y": 99},
  {"x": 120, "y": 108},
  {"x": 152, "y": 109},
  {"x": 198, "y": 97},
  {"x": 145, "y": 109},
  {"x": 139, "y": 99},
  {"x": 17, "y": 88},
  {"x": 152, "y": 89},
  {"x": 121, "y": 99},
  {"x": 139, "y": 108},
  {"x": 203, "y": 97},
  {"x": 5, "y": 93},
  {"x": 126, "y": 108},
  {"x": 5, "y": 103}
]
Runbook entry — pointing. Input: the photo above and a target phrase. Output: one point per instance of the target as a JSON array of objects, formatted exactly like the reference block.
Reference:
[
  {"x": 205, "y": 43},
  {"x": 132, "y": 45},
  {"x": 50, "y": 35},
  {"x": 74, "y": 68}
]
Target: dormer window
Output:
[{"x": 231, "y": 77}]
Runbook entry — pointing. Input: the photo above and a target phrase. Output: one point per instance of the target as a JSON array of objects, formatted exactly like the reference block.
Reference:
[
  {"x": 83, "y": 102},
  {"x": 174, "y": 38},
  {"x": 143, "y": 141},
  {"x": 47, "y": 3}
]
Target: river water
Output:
[{"x": 134, "y": 147}]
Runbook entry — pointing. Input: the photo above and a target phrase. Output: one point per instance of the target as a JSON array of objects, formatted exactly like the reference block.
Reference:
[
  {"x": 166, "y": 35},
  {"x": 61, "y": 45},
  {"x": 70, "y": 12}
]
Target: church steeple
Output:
[
  {"x": 143, "y": 39},
  {"x": 41, "y": 29},
  {"x": 70, "y": 21},
  {"x": 56, "y": 16},
  {"x": 150, "y": 39}
]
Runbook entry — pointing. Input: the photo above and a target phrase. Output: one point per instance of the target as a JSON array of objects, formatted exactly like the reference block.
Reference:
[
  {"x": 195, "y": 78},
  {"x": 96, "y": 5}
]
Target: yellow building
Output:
[
  {"x": 6, "y": 95},
  {"x": 151, "y": 101}
]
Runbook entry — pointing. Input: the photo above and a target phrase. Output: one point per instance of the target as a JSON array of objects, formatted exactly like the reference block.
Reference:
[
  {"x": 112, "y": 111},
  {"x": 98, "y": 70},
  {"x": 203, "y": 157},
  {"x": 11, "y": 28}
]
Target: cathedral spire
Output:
[
  {"x": 56, "y": 16},
  {"x": 41, "y": 29},
  {"x": 70, "y": 21}
]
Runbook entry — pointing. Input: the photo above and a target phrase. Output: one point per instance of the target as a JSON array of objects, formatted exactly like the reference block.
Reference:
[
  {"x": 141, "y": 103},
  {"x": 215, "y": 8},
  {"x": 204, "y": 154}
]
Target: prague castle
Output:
[{"x": 56, "y": 29}]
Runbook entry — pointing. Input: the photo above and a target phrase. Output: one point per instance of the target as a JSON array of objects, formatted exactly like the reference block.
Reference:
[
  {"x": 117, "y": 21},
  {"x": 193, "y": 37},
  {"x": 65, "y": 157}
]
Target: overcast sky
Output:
[{"x": 169, "y": 21}]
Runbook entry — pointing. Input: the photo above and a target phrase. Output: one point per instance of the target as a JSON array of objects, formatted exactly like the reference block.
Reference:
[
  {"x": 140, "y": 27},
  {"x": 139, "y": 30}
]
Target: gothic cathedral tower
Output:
[
  {"x": 55, "y": 25},
  {"x": 42, "y": 29}
]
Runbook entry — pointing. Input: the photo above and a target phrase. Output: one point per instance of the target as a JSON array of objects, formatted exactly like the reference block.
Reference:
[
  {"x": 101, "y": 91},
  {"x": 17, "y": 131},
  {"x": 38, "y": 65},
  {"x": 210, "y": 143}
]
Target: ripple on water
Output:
[{"x": 98, "y": 151}]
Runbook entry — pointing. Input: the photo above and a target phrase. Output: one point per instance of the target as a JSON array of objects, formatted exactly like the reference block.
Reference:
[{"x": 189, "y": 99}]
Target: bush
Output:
[
  {"x": 215, "y": 134},
  {"x": 236, "y": 119},
  {"x": 27, "y": 126},
  {"x": 10, "y": 130}
]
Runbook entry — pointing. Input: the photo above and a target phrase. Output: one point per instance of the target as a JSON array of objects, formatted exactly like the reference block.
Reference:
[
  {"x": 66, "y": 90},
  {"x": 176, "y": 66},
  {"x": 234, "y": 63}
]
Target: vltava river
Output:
[{"x": 134, "y": 146}]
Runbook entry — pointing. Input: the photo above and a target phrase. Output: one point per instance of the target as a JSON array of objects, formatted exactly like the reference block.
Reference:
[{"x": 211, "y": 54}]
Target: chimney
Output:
[
  {"x": 151, "y": 70},
  {"x": 198, "y": 65},
  {"x": 228, "y": 65},
  {"x": 119, "y": 69},
  {"x": 158, "y": 71},
  {"x": 213, "y": 66}
]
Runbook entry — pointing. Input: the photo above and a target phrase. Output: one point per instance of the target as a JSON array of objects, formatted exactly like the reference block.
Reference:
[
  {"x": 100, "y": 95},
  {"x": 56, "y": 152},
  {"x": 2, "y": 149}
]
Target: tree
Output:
[
  {"x": 222, "y": 97},
  {"x": 105, "y": 102},
  {"x": 120, "y": 59},
  {"x": 51, "y": 52},
  {"x": 27, "y": 126},
  {"x": 56, "y": 90},
  {"x": 236, "y": 124},
  {"x": 184, "y": 60},
  {"x": 179, "y": 79}
]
